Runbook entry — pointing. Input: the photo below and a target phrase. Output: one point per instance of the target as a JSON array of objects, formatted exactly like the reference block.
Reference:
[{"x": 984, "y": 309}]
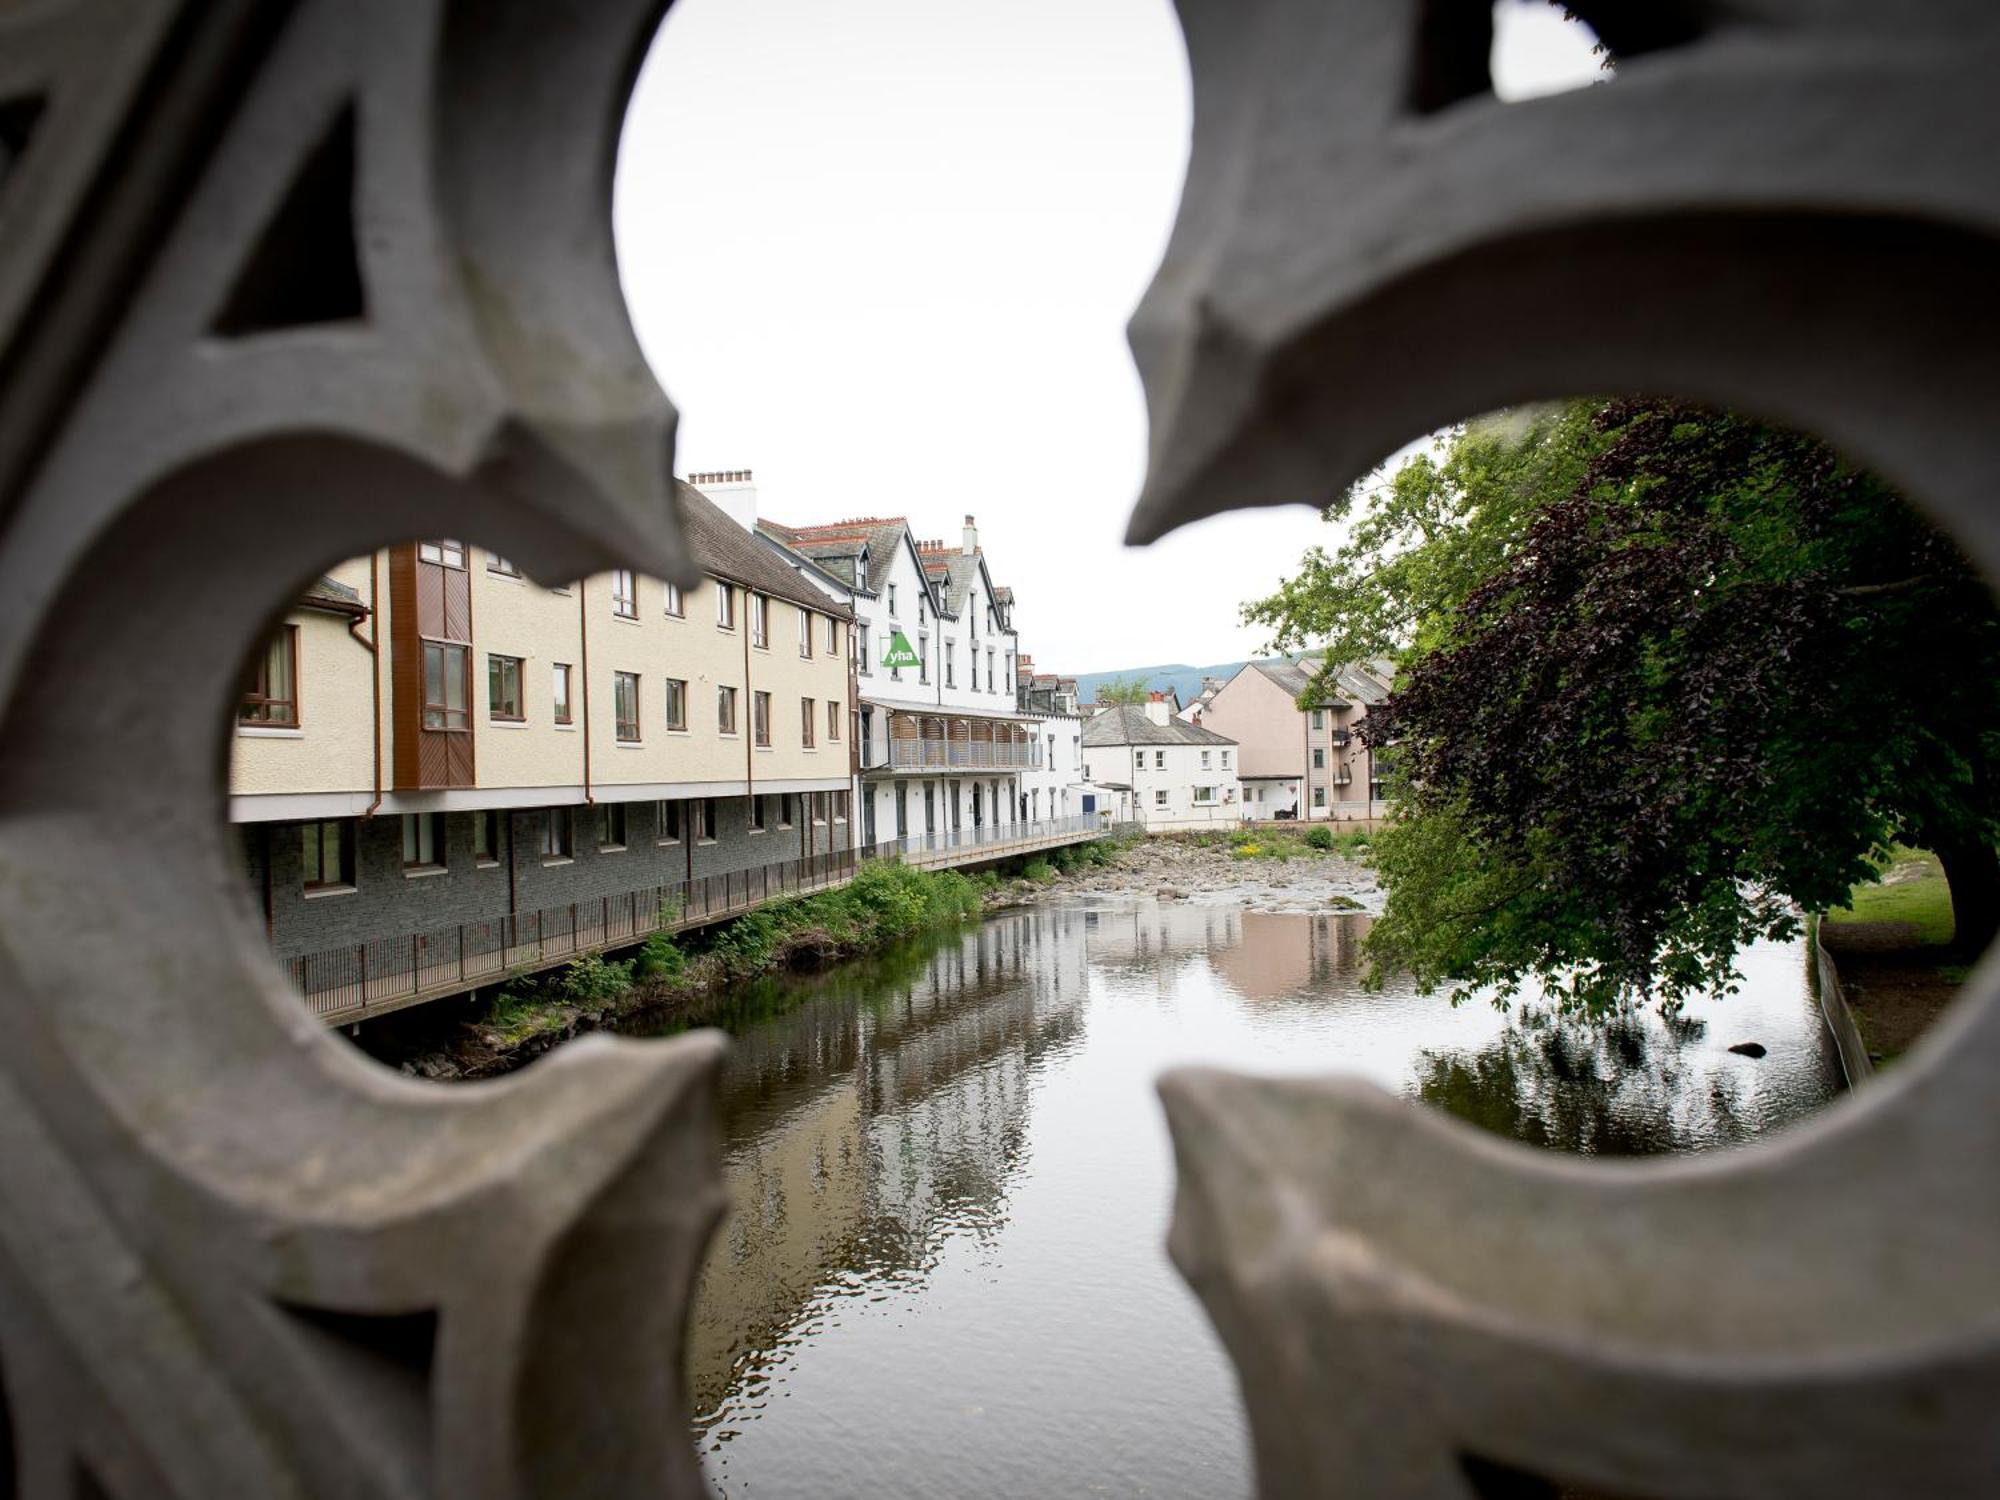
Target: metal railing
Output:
[
  {"x": 950, "y": 755},
  {"x": 345, "y": 982},
  {"x": 414, "y": 965}
]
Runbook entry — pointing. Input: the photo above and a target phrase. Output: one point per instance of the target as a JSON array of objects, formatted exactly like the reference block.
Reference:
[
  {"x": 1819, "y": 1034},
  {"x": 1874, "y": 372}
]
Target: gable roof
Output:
[
  {"x": 727, "y": 551},
  {"x": 1127, "y": 724},
  {"x": 1366, "y": 684}
]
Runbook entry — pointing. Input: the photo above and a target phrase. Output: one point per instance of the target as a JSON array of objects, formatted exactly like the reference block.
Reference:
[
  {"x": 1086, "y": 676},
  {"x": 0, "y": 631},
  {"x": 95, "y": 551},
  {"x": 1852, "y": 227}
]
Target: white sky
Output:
[{"x": 882, "y": 252}]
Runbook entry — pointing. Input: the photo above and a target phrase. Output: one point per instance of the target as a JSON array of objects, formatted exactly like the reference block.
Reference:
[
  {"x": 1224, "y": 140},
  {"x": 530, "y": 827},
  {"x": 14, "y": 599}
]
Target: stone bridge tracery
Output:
[{"x": 280, "y": 282}]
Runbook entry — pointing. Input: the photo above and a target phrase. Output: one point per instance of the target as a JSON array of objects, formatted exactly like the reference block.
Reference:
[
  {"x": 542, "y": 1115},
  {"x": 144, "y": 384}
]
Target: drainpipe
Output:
[
  {"x": 749, "y": 704},
  {"x": 583, "y": 669},
  {"x": 373, "y": 643}
]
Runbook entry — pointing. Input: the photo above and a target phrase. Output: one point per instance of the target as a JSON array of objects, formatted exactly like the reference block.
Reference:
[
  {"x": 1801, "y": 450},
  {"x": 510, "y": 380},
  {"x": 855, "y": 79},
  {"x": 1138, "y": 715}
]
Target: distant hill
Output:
[{"x": 1184, "y": 679}]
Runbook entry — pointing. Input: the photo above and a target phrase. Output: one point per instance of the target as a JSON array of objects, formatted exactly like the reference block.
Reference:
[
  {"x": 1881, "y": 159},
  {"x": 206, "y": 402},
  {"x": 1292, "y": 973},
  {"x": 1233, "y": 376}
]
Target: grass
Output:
[
  {"x": 1912, "y": 890},
  {"x": 1287, "y": 842}
]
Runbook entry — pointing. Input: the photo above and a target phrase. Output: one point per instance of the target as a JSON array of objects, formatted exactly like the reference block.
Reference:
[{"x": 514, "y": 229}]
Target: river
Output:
[{"x": 944, "y": 1273}]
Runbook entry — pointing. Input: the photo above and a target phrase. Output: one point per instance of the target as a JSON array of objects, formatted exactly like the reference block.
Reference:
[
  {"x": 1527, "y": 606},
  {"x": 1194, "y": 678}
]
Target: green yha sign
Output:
[{"x": 899, "y": 652}]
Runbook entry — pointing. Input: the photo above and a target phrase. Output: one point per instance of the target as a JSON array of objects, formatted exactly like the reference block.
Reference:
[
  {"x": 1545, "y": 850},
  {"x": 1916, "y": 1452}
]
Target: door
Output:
[
  {"x": 902, "y": 810},
  {"x": 868, "y": 817},
  {"x": 930, "y": 808},
  {"x": 978, "y": 821},
  {"x": 1089, "y": 804},
  {"x": 951, "y": 791}
]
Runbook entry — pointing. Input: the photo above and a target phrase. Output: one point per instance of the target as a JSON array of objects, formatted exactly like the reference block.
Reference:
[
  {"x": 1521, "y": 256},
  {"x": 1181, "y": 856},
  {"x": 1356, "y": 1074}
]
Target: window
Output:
[
  {"x": 806, "y": 722},
  {"x": 923, "y": 658},
  {"x": 1225, "y": 760},
  {"x": 833, "y": 716},
  {"x": 1138, "y": 760},
  {"x": 449, "y": 554},
  {"x": 1160, "y": 797},
  {"x": 757, "y": 823},
  {"x": 561, "y": 676},
  {"x": 447, "y": 694},
  {"x": 503, "y": 688},
  {"x": 1319, "y": 718},
  {"x": 725, "y": 710},
  {"x": 861, "y": 662},
  {"x": 328, "y": 850},
  {"x": 675, "y": 604},
  {"x": 558, "y": 834},
  {"x": 1319, "y": 796},
  {"x": 495, "y": 563},
  {"x": 610, "y": 827},
  {"x": 677, "y": 703},
  {"x": 667, "y": 820},
  {"x": 272, "y": 696},
  {"x": 760, "y": 719},
  {"x": 423, "y": 841},
  {"x": 760, "y": 621},
  {"x": 892, "y": 599},
  {"x": 950, "y": 663},
  {"x": 625, "y": 705},
  {"x": 704, "y": 820},
  {"x": 1319, "y": 760},
  {"x": 787, "y": 810},
  {"x": 624, "y": 594},
  {"x": 923, "y": 614},
  {"x": 486, "y": 838},
  {"x": 725, "y": 606},
  {"x": 989, "y": 672},
  {"x": 839, "y": 807},
  {"x": 805, "y": 633},
  {"x": 1204, "y": 760},
  {"x": 1159, "y": 760},
  {"x": 832, "y": 636},
  {"x": 816, "y": 807},
  {"x": 1204, "y": 795}
]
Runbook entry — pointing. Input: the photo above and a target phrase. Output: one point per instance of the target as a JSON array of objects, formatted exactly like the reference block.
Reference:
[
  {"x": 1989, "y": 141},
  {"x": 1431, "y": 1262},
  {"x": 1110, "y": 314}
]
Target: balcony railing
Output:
[
  {"x": 989, "y": 836},
  {"x": 950, "y": 755}
]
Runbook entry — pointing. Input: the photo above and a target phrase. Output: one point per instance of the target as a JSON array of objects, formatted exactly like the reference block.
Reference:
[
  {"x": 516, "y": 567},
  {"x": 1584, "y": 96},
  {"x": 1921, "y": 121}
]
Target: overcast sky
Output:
[{"x": 882, "y": 253}]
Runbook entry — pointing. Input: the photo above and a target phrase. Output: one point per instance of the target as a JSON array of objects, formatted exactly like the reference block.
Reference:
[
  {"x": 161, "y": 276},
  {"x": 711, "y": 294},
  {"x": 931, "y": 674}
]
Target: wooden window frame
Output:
[
  {"x": 725, "y": 710},
  {"x": 429, "y": 825},
  {"x": 834, "y": 712},
  {"x": 258, "y": 702},
  {"x": 442, "y": 708},
  {"x": 808, "y": 726},
  {"x": 316, "y": 831},
  {"x": 626, "y": 730},
  {"x": 495, "y": 661},
  {"x": 443, "y": 552},
  {"x": 677, "y": 705},
  {"x": 564, "y": 703},
  {"x": 760, "y": 719}
]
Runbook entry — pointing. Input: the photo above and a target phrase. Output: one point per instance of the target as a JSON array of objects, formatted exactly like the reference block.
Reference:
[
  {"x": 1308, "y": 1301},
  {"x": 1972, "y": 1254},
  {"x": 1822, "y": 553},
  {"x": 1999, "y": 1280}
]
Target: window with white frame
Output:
[
  {"x": 675, "y": 605},
  {"x": 832, "y": 636},
  {"x": 1204, "y": 796},
  {"x": 760, "y": 622},
  {"x": 624, "y": 594},
  {"x": 861, "y": 662},
  {"x": 1204, "y": 760},
  {"x": 805, "y": 633},
  {"x": 1160, "y": 797},
  {"x": 725, "y": 606},
  {"x": 446, "y": 553},
  {"x": 1159, "y": 760}
]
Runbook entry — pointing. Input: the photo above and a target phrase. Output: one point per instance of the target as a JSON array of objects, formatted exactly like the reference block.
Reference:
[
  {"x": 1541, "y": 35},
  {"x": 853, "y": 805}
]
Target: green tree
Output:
[
  {"x": 1132, "y": 689},
  {"x": 1665, "y": 672}
]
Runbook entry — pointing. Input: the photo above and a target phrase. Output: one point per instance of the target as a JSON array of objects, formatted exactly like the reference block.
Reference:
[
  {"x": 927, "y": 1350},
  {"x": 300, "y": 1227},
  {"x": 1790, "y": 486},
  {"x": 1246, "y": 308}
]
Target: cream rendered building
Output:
[{"x": 432, "y": 740}]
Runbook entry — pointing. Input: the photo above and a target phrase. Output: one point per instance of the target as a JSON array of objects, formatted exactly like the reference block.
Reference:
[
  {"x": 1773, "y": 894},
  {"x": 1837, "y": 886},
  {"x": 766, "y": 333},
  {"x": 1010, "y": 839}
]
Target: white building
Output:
[
  {"x": 1182, "y": 776},
  {"x": 942, "y": 744}
]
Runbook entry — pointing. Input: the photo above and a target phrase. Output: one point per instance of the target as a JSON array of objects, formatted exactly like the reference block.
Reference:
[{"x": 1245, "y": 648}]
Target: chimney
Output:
[
  {"x": 971, "y": 536},
  {"x": 733, "y": 491},
  {"x": 1156, "y": 708}
]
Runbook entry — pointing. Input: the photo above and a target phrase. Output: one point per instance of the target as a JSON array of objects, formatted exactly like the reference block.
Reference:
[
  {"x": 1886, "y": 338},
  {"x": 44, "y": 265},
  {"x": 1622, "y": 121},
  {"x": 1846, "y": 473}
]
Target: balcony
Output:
[{"x": 951, "y": 755}]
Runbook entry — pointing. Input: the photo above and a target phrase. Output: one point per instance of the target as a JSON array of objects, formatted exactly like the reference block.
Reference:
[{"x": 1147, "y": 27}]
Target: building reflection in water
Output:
[{"x": 962, "y": 1132}]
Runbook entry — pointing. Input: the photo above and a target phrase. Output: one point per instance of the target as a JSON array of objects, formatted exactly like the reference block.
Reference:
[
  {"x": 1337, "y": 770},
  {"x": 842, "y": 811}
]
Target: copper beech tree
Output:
[{"x": 1669, "y": 677}]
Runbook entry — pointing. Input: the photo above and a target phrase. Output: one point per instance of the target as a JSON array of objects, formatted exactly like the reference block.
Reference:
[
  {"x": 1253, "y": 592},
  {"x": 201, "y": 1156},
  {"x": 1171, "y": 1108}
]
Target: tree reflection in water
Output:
[{"x": 1624, "y": 1086}]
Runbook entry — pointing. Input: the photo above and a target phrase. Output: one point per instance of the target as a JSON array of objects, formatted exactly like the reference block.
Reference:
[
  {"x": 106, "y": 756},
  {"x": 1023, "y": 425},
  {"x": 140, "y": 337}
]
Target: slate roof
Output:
[
  {"x": 837, "y": 546},
  {"x": 1127, "y": 724},
  {"x": 332, "y": 595},
  {"x": 726, "y": 550},
  {"x": 1366, "y": 684}
]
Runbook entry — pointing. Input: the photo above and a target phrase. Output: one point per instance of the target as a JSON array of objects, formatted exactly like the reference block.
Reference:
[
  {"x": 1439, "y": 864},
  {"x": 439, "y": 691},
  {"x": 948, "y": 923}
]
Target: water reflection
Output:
[{"x": 943, "y": 1273}]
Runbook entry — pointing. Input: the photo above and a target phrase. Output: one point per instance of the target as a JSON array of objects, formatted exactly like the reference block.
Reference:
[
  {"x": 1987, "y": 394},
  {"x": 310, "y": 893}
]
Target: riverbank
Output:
[
  {"x": 665, "y": 981},
  {"x": 1893, "y": 947}
]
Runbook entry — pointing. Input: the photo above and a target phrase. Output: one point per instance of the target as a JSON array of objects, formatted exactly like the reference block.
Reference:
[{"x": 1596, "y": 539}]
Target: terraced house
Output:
[{"x": 442, "y": 769}]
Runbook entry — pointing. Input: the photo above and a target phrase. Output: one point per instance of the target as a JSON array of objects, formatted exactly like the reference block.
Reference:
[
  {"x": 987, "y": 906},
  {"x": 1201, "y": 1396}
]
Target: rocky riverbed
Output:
[{"x": 1213, "y": 873}]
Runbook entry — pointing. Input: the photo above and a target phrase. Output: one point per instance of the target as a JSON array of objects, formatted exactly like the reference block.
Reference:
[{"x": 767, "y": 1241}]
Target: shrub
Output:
[
  {"x": 1040, "y": 871},
  {"x": 1320, "y": 837},
  {"x": 592, "y": 979},
  {"x": 661, "y": 958}
]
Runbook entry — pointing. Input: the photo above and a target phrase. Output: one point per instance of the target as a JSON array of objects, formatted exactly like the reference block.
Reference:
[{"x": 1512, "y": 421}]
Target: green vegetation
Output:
[
  {"x": 1038, "y": 870},
  {"x": 1911, "y": 888},
  {"x": 883, "y": 903},
  {"x": 1664, "y": 676},
  {"x": 1124, "y": 690},
  {"x": 1320, "y": 838}
]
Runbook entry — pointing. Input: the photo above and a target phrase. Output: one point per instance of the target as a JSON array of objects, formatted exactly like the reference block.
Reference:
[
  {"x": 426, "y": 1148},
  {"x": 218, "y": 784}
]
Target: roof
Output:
[
  {"x": 1366, "y": 684},
  {"x": 1127, "y": 724},
  {"x": 333, "y": 596},
  {"x": 838, "y": 545},
  {"x": 723, "y": 548}
]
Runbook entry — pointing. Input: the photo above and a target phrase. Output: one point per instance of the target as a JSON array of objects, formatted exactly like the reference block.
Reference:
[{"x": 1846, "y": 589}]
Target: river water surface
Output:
[{"x": 944, "y": 1272}]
